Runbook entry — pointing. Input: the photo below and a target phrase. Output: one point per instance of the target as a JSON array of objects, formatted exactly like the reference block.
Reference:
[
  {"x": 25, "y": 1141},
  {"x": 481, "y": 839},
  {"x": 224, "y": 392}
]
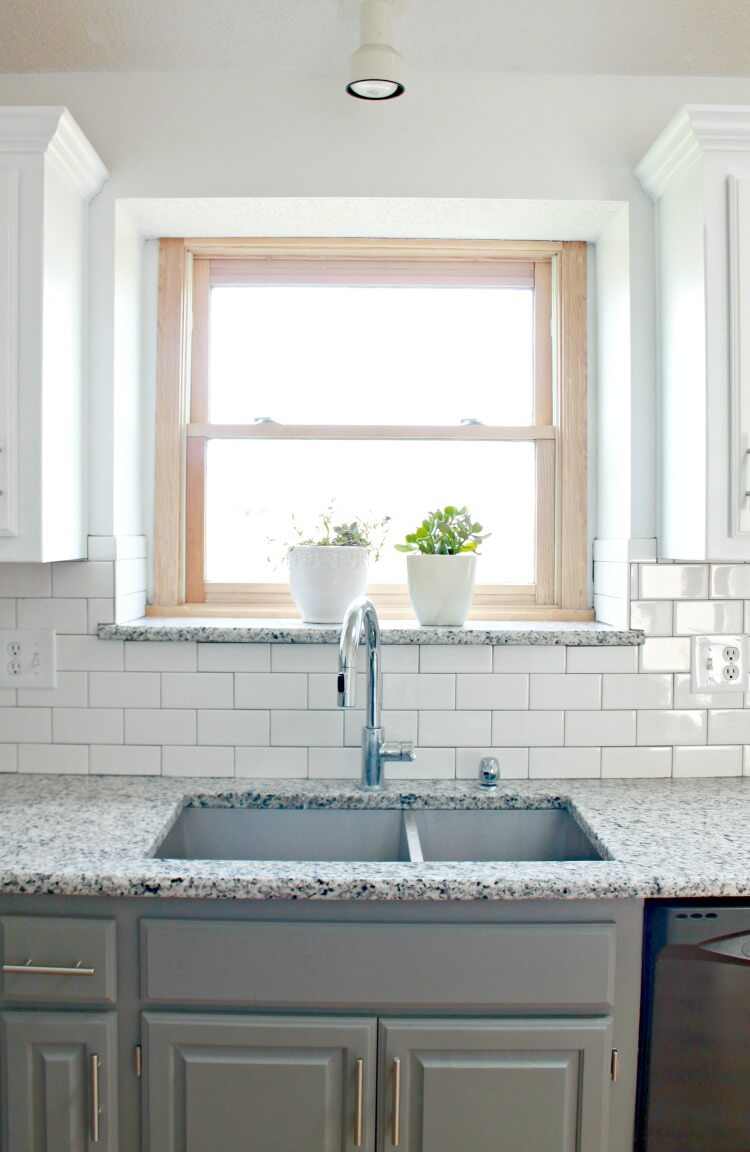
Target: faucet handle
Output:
[{"x": 401, "y": 751}]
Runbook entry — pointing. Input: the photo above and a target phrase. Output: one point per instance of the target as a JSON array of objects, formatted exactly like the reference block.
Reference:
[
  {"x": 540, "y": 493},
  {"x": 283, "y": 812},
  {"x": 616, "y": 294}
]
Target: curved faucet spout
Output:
[{"x": 375, "y": 752}]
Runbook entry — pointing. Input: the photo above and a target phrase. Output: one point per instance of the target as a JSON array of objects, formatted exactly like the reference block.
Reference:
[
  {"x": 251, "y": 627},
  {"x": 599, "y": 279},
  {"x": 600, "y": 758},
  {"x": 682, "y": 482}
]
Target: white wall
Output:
[{"x": 242, "y": 135}]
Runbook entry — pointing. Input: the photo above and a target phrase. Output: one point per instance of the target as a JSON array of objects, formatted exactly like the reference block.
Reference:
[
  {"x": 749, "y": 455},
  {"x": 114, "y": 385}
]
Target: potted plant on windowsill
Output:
[
  {"x": 329, "y": 569},
  {"x": 441, "y": 565}
]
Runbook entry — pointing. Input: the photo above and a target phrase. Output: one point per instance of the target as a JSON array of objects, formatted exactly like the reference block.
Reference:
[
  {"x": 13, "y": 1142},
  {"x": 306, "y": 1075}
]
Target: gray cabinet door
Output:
[
  {"x": 58, "y": 1070},
  {"x": 258, "y": 1084},
  {"x": 494, "y": 1085}
]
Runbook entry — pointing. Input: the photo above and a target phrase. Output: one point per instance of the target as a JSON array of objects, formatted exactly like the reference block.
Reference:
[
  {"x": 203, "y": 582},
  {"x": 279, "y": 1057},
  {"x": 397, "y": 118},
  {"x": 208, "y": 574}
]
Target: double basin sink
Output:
[{"x": 355, "y": 834}]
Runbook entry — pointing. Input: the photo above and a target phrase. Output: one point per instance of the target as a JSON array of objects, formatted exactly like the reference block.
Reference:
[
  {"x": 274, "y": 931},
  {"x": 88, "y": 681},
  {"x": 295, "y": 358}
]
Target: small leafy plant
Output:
[{"x": 445, "y": 532}]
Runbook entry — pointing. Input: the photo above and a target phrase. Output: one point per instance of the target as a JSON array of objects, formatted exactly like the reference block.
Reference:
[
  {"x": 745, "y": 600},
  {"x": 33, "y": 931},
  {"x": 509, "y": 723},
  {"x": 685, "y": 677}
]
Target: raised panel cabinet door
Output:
[
  {"x": 59, "y": 1082},
  {"x": 258, "y": 1084},
  {"x": 494, "y": 1085}
]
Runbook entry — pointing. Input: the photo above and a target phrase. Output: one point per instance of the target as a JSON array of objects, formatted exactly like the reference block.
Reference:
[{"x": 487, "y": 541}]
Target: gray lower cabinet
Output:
[
  {"x": 494, "y": 1085},
  {"x": 305, "y": 1084},
  {"x": 59, "y": 1083},
  {"x": 258, "y": 1084}
]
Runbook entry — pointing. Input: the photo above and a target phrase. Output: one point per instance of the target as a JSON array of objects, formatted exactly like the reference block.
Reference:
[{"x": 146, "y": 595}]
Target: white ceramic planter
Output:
[
  {"x": 324, "y": 580},
  {"x": 441, "y": 587}
]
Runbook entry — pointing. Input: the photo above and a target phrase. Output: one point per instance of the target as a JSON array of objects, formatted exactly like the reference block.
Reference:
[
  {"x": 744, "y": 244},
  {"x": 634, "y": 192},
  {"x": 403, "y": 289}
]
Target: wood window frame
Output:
[{"x": 187, "y": 270}]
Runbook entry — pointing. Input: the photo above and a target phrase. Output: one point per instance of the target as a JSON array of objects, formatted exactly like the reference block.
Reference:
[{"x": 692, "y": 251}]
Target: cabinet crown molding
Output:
[
  {"x": 696, "y": 129},
  {"x": 52, "y": 132}
]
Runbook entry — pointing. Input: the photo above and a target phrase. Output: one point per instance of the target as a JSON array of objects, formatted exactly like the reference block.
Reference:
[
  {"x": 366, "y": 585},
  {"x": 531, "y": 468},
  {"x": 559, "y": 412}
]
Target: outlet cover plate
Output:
[
  {"x": 718, "y": 664},
  {"x": 28, "y": 658}
]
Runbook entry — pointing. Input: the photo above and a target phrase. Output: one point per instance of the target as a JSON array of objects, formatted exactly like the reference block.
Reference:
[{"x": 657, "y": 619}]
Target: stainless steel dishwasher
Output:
[{"x": 694, "y": 1082}]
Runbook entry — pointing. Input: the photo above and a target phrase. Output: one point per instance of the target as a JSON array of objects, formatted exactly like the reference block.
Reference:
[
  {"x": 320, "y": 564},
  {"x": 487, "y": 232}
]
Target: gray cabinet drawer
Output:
[
  {"x": 51, "y": 959},
  {"x": 434, "y": 966}
]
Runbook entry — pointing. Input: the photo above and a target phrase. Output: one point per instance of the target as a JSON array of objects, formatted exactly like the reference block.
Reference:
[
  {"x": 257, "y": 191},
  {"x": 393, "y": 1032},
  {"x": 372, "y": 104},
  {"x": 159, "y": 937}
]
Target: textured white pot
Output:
[
  {"x": 324, "y": 580},
  {"x": 441, "y": 587}
]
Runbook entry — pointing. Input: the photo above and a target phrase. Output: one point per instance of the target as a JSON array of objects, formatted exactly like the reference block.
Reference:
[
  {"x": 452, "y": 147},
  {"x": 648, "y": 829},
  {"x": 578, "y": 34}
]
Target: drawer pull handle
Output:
[
  {"x": 396, "y": 1132},
  {"x": 359, "y": 1086},
  {"x": 94, "y": 1099},
  {"x": 30, "y": 969}
]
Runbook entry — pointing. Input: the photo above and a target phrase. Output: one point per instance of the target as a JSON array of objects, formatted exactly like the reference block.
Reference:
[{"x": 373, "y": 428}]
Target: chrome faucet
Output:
[{"x": 375, "y": 751}]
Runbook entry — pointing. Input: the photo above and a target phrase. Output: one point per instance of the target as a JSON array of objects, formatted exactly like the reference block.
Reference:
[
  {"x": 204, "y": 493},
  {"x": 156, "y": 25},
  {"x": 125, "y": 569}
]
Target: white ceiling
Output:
[{"x": 671, "y": 37}]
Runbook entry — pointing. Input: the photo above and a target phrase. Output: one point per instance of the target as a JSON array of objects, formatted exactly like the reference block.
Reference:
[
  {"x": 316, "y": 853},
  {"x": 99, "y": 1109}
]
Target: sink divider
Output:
[{"x": 413, "y": 842}]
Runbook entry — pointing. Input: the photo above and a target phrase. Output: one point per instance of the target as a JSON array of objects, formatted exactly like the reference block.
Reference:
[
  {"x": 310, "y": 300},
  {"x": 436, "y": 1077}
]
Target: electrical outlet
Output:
[
  {"x": 28, "y": 658},
  {"x": 718, "y": 664}
]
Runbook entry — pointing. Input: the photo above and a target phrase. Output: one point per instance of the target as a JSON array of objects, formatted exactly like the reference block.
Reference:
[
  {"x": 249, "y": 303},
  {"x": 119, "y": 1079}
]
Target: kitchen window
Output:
[{"x": 390, "y": 376}]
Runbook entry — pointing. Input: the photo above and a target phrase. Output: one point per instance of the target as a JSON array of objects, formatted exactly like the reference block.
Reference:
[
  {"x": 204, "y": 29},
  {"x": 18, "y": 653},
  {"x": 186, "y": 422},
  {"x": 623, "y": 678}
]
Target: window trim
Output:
[{"x": 182, "y": 423}]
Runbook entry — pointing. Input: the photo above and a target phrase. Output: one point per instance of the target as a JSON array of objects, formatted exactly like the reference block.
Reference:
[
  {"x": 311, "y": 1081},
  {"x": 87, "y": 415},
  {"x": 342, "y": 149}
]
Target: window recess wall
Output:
[{"x": 260, "y": 408}]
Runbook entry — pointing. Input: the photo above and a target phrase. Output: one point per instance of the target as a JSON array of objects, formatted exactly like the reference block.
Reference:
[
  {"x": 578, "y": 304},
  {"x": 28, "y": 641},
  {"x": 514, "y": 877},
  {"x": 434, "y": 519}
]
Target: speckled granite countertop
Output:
[
  {"x": 96, "y": 836},
  {"x": 236, "y": 631}
]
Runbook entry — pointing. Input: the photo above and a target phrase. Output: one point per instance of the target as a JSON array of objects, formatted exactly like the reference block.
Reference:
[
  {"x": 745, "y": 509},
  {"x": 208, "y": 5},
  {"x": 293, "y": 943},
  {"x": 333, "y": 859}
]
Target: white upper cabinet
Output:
[
  {"x": 698, "y": 174},
  {"x": 48, "y": 174}
]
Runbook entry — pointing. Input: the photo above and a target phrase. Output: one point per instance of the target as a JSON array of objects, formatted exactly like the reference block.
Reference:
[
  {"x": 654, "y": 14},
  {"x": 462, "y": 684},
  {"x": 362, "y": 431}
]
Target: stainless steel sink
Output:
[{"x": 355, "y": 834}]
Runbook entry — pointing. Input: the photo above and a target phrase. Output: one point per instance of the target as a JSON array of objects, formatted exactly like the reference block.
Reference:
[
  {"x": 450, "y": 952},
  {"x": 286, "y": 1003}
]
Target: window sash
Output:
[{"x": 188, "y": 270}]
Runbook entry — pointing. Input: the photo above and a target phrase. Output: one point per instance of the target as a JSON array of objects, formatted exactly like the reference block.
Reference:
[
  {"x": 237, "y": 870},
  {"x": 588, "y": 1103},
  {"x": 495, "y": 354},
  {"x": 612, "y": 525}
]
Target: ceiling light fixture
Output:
[{"x": 375, "y": 67}]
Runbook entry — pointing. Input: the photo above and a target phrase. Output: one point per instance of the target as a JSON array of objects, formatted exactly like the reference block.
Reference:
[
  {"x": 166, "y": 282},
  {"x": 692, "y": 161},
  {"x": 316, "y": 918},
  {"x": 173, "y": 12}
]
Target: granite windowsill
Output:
[{"x": 237, "y": 631}]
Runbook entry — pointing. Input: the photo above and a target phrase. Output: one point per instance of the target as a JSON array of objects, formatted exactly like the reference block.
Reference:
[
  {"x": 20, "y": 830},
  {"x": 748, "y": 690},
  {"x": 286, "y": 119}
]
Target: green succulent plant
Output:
[
  {"x": 446, "y": 532},
  {"x": 327, "y": 534}
]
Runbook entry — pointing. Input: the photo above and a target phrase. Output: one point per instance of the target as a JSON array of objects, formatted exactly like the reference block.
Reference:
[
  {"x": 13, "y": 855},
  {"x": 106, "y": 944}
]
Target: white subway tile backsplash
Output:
[
  {"x": 8, "y": 758},
  {"x": 649, "y": 690},
  {"x": 227, "y": 727},
  {"x": 565, "y": 763},
  {"x": 71, "y": 692},
  {"x": 531, "y": 658},
  {"x": 680, "y": 726},
  {"x": 26, "y": 725},
  {"x": 399, "y": 658},
  {"x": 83, "y": 578},
  {"x": 197, "y": 690},
  {"x": 707, "y": 762},
  {"x": 513, "y": 762},
  {"x": 430, "y": 764},
  {"x": 334, "y": 763},
  {"x": 125, "y": 760},
  {"x": 602, "y": 659},
  {"x": 234, "y": 657},
  {"x": 130, "y": 606},
  {"x": 399, "y": 725},
  {"x": 504, "y": 690},
  {"x": 455, "y": 658},
  {"x": 522, "y": 729},
  {"x": 612, "y": 578},
  {"x": 189, "y": 761},
  {"x": 630, "y": 763},
  {"x": 158, "y": 656},
  {"x": 101, "y": 548},
  {"x": 130, "y": 576},
  {"x": 296, "y": 727},
  {"x": 87, "y": 725},
  {"x": 414, "y": 690},
  {"x": 274, "y": 763},
  {"x": 124, "y": 690},
  {"x": 304, "y": 658},
  {"x": 100, "y": 611},
  {"x": 612, "y": 610},
  {"x": 568, "y": 691},
  {"x": 660, "y": 654},
  {"x": 684, "y": 698},
  {"x": 54, "y": 758},
  {"x": 7, "y": 614},
  {"x": 161, "y": 726},
  {"x": 730, "y": 581},
  {"x": 65, "y": 616},
  {"x": 728, "y": 726},
  {"x": 654, "y": 617},
  {"x": 26, "y": 580},
  {"x": 597, "y": 729},
  {"x": 437, "y": 729},
  {"x": 89, "y": 654},
  {"x": 273, "y": 690},
  {"x": 708, "y": 616},
  {"x": 674, "y": 581}
]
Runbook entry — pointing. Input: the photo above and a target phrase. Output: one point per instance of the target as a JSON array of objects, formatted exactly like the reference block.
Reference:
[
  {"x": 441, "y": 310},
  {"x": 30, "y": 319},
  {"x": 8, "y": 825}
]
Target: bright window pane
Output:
[
  {"x": 338, "y": 355},
  {"x": 254, "y": 489}
]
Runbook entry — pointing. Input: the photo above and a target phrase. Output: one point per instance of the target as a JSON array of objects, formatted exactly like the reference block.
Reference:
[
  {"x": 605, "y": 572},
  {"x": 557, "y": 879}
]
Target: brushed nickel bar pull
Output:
[
  {"x": 30, "y": 969},
  {"x": 94, "y": 1099},
  {"x": 359, "y": 1086},
  {"x": 614, "y": 1068},
  {"x": 396, "y": 1133}
]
